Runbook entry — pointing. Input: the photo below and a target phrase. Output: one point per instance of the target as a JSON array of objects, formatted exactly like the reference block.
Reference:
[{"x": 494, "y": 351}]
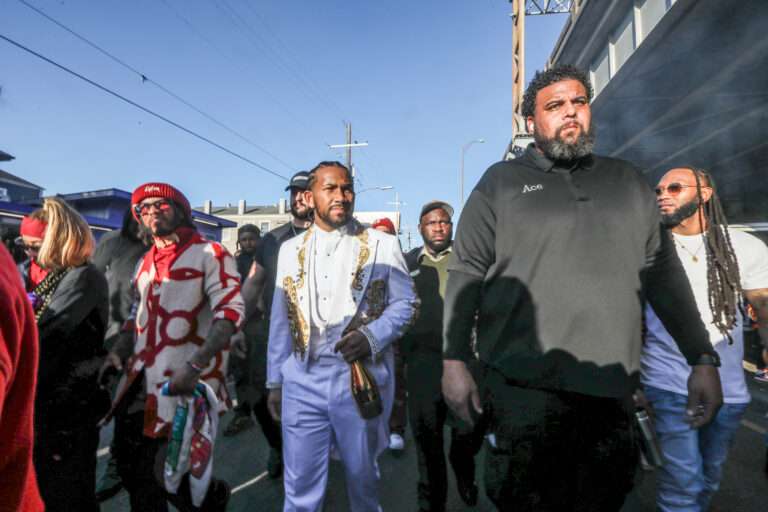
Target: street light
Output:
[
  {"x": 464, "y": 150},
  {"x": 373, "y": 188}
]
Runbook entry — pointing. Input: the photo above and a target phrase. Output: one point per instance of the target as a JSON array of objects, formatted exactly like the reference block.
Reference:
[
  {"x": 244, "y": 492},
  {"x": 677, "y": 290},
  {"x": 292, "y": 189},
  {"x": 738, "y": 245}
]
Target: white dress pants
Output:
[{"x": 319, "y": 417}]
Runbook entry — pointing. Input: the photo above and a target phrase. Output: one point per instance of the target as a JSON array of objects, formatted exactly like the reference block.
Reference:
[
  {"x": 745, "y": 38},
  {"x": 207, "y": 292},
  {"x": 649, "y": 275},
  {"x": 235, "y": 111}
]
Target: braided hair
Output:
[{"x": 723, "y": 280}]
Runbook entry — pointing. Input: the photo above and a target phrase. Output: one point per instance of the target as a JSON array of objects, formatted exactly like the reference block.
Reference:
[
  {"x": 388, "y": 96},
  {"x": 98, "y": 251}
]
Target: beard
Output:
[
  {"x": 556, "y": 148},
  {"x": 300, "y": 215},
  {"x": 148, "y": 237},
  {"x": 437, "y": 248},
  {"x": 336, "y": 220},
  {"x": 670, "y": 220}
]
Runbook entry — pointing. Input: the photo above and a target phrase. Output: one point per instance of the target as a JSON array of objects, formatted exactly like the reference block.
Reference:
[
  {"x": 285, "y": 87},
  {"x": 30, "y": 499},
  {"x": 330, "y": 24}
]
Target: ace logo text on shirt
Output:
[{"x": 526, "y": 188}]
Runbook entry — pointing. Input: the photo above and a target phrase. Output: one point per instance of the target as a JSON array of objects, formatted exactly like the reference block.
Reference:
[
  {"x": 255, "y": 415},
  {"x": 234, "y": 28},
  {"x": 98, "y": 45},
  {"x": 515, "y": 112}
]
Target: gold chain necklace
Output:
[
  {"x": 693, "y": 254},
  {"x": 45, "y": 289}
]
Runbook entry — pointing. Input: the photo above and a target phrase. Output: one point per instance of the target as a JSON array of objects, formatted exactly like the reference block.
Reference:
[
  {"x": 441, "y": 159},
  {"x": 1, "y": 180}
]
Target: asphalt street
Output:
[{"x": 241, "y": 460}]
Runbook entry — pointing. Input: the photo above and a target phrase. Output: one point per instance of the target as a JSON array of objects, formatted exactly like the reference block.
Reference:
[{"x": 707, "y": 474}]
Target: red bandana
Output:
[{"x": 33, "y": 227}]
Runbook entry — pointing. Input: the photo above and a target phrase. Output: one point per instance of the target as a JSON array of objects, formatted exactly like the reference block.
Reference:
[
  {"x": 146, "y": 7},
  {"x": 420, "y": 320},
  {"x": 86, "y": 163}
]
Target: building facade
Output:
[{"x": 679, "y": 82}]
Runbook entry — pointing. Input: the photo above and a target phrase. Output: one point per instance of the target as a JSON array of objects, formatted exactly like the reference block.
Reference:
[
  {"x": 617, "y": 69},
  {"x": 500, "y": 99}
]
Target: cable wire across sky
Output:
[
  {"x": 145, "y": 78},
  {"x": 148, "y": 111}
]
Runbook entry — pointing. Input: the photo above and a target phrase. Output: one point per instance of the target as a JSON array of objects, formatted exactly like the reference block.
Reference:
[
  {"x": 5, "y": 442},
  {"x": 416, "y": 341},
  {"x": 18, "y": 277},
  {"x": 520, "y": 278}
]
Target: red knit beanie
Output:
[
  {"x": 384, "y": 221},
  {"x": 160, "y": 190}
]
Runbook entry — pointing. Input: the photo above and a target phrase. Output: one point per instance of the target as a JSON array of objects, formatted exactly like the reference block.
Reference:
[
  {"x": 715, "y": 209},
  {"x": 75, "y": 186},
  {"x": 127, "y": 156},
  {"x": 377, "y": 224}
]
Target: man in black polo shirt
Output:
[
  {"x": 422, "y": 348},
  {"x": 555, "y": 253},
  {"x": 257, "y": 293}
]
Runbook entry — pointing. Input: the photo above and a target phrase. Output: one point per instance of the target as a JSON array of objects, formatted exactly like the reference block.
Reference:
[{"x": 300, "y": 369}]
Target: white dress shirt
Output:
[{"x": 329, "y": 259}]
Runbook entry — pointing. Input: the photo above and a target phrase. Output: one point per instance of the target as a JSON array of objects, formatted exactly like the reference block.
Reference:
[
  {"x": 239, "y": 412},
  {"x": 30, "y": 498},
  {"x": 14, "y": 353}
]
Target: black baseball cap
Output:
[
  {"x": 299, "y": 180},
  {"x": 434, "y": 205}
]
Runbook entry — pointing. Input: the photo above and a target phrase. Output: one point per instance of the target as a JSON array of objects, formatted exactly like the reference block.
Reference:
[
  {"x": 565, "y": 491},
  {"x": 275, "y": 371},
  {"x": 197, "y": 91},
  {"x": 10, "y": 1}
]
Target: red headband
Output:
[{"x": 33, "y": 227}]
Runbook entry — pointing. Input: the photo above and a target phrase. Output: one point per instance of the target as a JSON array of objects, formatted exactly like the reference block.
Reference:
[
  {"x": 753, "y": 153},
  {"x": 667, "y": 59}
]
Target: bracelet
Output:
[
  {"x": 709, "y": 360},
  {"x": 195, "y": 367}
]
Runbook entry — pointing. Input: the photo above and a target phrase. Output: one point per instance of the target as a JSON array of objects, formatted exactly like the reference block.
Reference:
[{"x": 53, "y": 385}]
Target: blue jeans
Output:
[{"x": 693, "y": 459}]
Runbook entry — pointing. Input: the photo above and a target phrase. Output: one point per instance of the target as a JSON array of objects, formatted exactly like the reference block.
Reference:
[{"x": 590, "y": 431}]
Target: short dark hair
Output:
[
  {"x": 249, "y": 228},
  {"x": 325, "y": 163},
  {"x": 556, "y": 73}
]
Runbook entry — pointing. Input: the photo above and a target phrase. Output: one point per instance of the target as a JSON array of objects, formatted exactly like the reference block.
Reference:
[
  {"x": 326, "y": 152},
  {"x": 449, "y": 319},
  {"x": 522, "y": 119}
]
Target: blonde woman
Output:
[{"x": 71, "y": 306}]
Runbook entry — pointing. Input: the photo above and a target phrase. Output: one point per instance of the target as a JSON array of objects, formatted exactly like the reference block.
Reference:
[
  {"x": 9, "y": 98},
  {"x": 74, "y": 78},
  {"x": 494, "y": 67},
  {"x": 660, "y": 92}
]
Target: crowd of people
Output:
[{"x": 571, "y": 297}]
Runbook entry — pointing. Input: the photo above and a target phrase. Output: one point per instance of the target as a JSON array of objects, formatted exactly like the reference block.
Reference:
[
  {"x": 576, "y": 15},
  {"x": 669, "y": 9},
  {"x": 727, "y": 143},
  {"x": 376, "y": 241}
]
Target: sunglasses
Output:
[
  {"x": 20, "y": 243},
  {"x": 161, "y": 206},
  {"x": 673, "y": 189}
]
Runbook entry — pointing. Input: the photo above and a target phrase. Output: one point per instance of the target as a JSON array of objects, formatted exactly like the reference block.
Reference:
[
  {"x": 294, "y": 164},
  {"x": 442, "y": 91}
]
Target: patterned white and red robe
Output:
[{"x": 181, "y": 290}]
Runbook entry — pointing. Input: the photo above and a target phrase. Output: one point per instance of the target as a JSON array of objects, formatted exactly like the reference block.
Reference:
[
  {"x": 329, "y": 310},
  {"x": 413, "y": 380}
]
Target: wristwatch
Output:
[{"x": 709, "y": 359}]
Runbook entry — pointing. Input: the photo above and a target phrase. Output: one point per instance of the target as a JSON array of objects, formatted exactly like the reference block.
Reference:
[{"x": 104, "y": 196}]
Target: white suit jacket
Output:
[{"x": 380, "y": 300}]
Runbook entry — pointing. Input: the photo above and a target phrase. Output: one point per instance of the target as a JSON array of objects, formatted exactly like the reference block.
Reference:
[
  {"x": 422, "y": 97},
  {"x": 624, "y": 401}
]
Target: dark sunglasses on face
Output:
[
  {"x": 162, "y": 206},
  {"x": 673, "y": 189},
  {"x": 20, "y": 243}
]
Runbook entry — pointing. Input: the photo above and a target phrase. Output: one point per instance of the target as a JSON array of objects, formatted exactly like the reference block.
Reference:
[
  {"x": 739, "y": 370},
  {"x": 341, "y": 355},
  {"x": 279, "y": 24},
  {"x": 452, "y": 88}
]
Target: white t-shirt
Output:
[{"x": 662, "y": 364}]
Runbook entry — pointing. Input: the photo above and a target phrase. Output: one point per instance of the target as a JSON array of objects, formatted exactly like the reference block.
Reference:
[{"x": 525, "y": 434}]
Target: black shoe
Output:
[
  {"x": 275, "y": 463},
  {"x": 766, "y": 460},
  {"x": 109, "y": 484},
  {"x": 467, "y": 490},
  {"x": 218, "y": 496},
  {"x": 238, "y": 424}
]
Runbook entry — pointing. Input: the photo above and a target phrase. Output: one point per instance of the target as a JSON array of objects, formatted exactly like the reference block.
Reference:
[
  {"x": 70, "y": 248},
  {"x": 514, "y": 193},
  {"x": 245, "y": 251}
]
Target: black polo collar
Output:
[{"x": 546, "y": 165}]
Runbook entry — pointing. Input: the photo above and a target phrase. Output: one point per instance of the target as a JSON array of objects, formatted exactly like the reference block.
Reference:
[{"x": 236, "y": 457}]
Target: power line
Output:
[
  {"x": 290, "y": 54},
  {"x": 243, "y": 72},
  {"x": 187, "y": 130},
  {"x": 297, "y": 81},
  {"x": 145, "y": 78}
]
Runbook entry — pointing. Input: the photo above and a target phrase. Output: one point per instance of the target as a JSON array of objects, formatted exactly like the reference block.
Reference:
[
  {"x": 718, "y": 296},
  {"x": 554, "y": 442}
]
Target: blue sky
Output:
[{"x": 417, "y": 80}]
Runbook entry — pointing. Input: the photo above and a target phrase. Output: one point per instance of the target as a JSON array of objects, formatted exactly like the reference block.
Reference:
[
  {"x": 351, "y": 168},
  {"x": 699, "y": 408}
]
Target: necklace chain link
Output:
[{"x": 694, "y": 257}]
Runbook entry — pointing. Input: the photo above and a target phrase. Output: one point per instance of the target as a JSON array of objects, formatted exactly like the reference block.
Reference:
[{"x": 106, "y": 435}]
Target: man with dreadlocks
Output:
[{"x": 724, "y": 266}]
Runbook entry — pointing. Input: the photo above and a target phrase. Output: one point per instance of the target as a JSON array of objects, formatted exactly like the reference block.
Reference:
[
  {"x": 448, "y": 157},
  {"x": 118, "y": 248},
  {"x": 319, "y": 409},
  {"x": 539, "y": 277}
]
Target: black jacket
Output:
[{"x": 71, "y": 334}]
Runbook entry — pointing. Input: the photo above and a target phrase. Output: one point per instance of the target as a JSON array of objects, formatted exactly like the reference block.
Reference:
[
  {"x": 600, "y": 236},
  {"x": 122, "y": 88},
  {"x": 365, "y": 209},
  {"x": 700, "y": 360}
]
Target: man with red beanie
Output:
[
  {"x": 18, "y": 374},
  {"x": 188, "y": 305},
  {"x": 385, "y": 225}
]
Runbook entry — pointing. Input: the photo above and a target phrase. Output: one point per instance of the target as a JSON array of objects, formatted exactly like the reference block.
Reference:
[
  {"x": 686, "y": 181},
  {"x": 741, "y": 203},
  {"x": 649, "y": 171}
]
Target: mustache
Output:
[{"x": 568, "y": 124}]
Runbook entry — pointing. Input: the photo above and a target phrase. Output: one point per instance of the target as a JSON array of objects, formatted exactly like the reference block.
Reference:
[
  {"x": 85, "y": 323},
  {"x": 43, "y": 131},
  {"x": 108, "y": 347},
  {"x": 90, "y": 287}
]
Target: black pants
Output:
[
  {"x": 257, "y": 333},
  {"x": 140, "y": 467},
  {"x": 68, "y": 484},
  {"x": 428, "y": 413},
  {"x": 398, "y": 420},
  {"x": 136, "y": 454},
  {"x": 558, "y": 450}
]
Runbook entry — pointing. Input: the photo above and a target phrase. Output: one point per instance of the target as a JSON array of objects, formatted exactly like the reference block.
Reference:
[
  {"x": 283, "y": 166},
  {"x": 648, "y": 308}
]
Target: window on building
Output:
[
  {"x": 651, "y": 11},
  {"x": 226, "y": 234},
  {"x": 624, "y": 43},
  {"x": 264, "y": 226},
  {"x": 600, "y": 72}
]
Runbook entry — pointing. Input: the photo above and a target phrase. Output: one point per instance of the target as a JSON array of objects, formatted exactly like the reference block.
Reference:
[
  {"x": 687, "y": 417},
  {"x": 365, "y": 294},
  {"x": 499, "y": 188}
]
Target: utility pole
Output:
[
  {"x": 349, "y": 147},
  {"x": 521, "y": 9},
  {"x": 408, "y": 229},
  {"x": 397, "y": 204}
]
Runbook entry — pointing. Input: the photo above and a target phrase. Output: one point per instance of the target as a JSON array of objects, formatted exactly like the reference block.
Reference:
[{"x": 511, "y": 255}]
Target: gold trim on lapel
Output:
[
  {"x": 302, "y": 256},
  {"x": 296, "y": 322},
  {"x": 361, "y": 274}
]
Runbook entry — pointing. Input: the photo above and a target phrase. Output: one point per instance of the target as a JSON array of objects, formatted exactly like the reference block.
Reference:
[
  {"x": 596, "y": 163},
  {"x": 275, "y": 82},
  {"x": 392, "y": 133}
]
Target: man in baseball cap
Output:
[
  {"x": 422, "y": 347},
  {"x": 188, "y": 307},
  {"x": 435, "y": 205},
  {"x": 258, "y": 290},
  {"x": 299, "y": 181}
]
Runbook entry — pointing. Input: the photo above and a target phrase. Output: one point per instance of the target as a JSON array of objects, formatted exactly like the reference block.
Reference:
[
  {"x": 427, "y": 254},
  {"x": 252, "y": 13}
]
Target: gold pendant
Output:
[{"x": 695, "y": 259}]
